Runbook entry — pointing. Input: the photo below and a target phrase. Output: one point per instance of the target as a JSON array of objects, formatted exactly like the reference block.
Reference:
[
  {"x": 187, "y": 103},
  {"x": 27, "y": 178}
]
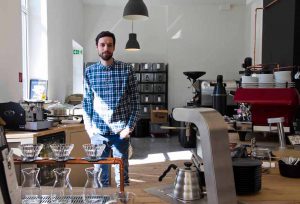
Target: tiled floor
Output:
[
  {"x": 159, "y": 149},
  {"x": 147, "y": 150}
]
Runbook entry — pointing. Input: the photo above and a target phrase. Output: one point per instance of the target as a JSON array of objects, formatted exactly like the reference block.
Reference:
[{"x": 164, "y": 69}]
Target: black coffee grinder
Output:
[
  {"x": 220, "y": 96},
  {"x": 197, "y": 85}
]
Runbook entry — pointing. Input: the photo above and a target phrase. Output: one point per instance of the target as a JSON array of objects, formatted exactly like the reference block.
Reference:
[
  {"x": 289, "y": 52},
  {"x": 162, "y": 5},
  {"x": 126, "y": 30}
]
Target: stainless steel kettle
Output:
[{"x": 187, "y": 182}]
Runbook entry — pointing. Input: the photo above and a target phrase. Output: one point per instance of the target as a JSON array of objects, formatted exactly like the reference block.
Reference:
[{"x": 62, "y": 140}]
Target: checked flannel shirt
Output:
[{"x": 111, "y": 99}]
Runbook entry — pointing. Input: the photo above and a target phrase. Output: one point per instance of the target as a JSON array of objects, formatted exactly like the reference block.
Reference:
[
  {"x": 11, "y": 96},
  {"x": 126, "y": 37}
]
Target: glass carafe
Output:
[
  {"x": 62, "y": 190},
  {"x": 31, "y": 189},
  {"x": 92, "y": 192}
]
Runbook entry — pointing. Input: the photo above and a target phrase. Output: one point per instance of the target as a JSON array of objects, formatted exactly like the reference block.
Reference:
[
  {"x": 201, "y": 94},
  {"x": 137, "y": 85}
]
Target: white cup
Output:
[
  {"x": 283, "y": 76},
  {"x": 249, "y": 81},
  {"x": 265, "y": 80}
]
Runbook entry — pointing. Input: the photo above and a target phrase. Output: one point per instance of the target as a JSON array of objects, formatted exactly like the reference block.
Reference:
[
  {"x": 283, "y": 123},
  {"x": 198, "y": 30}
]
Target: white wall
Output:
[
  {"x": 64, "y": 25},
  {"x": 10, "y": 50},
  {"x": 151, "y": 34},
  {"x": 206, "y": 39},
  {"x": 212, "y": 40}
]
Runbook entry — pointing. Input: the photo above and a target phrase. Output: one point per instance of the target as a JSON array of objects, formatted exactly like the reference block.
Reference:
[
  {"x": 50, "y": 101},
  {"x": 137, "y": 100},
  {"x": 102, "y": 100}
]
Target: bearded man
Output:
[{"x": 110, "y": 104}]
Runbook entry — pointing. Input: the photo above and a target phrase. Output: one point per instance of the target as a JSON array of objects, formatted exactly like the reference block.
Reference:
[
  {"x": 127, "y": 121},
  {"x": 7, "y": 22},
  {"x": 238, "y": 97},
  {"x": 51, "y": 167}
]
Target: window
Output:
[{"x": 24, "y": 5}]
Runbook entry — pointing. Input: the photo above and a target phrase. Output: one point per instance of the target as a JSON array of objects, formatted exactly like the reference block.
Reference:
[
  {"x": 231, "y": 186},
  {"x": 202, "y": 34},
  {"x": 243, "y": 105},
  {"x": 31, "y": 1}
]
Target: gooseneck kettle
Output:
[{"x": 187, "y": 182}]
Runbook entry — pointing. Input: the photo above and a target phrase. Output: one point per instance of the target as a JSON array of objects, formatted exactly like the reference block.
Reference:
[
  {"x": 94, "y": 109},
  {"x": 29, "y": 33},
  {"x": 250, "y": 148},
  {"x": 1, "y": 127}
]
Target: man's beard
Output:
[{"x": 105, "y": 56}]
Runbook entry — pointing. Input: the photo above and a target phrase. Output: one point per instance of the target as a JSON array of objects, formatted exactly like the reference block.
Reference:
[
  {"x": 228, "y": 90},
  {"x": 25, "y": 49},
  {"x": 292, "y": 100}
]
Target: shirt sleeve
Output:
[
  {"x": 134, "y": 100},
  {"x": 87, "y": 104}
]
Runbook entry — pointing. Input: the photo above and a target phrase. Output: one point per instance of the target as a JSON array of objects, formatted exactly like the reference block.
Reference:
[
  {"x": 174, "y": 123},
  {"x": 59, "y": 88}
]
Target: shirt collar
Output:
[{"x": 107, "y": 67}]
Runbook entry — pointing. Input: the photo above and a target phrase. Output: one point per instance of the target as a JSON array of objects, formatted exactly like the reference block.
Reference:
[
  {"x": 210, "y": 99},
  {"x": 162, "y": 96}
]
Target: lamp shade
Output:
[
  {"x": 135, "y": 10},
  {"x": 132, "y": 44}
]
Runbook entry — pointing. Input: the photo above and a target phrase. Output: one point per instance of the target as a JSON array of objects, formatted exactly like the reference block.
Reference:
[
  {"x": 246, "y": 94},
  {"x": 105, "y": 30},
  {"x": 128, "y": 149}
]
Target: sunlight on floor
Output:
[{"x": 162, "y": 157}]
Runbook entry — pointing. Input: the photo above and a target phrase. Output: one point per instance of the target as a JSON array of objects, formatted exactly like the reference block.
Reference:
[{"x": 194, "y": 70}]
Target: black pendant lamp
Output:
[
  {"x": 135, "y": 10},
  {"x": 132, "y": 44}
]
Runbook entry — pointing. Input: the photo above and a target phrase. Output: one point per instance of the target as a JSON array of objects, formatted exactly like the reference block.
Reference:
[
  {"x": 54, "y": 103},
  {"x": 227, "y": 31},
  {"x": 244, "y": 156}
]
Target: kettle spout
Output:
[{"x": 166, "y": 171}]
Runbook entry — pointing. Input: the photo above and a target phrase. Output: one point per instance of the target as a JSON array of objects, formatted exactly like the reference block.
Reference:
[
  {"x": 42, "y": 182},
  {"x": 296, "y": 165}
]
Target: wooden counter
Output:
[{"x": 30, "y": 136}]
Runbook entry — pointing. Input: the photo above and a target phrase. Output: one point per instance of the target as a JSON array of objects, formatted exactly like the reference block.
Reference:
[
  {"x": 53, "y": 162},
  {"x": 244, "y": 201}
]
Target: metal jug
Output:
[{"x": 187, "y": 182}]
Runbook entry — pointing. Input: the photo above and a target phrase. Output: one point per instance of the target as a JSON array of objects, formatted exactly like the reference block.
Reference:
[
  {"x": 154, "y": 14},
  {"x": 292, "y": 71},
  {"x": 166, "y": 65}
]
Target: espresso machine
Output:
[{"x": 35, "y": 115}]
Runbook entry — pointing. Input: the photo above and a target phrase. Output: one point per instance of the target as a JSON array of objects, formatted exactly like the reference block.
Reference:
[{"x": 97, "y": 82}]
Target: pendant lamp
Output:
[
  {"x": 132, "y": 44},
  {"x": 135, "y": 10}
]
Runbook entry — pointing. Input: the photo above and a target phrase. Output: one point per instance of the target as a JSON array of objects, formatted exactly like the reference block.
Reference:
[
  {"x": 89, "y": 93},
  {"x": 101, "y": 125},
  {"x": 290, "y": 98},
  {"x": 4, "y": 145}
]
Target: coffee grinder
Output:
[
  {"x": 193, "y": 76},
  {"x": 187, "y": 136}
]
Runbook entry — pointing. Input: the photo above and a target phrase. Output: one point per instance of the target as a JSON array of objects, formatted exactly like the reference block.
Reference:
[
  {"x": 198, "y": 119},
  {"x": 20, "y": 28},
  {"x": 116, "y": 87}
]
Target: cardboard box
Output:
[{"x": 159, "y": 116}]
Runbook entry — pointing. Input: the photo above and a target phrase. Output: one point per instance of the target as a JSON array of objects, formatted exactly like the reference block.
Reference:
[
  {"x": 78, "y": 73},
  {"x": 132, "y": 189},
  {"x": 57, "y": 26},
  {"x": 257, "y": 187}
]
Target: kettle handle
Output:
[{"x": 166, "y": 171}]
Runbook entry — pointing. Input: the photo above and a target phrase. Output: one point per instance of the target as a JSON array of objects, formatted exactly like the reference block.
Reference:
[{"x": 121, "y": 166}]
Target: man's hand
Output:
[{"x": 125, "y": 133}]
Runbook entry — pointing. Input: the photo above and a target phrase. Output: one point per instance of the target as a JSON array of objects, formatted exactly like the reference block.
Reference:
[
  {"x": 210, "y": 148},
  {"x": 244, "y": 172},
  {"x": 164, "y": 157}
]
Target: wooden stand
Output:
[{"x": 77, "y": 160}]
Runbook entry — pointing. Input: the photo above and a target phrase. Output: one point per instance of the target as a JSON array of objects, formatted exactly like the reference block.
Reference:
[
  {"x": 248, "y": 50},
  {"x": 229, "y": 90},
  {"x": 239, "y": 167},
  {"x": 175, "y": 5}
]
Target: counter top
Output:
[{"x": 30, "y": 134}]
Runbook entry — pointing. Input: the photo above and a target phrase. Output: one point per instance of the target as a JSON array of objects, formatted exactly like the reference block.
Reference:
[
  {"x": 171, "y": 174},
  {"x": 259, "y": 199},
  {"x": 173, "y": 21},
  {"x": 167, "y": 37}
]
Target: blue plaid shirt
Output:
[{"x": 111, "y": 100}]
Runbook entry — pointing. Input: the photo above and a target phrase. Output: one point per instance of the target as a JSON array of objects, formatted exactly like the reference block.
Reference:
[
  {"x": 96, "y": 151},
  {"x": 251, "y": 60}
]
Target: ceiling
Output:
[{"x": 164, "y": 2}]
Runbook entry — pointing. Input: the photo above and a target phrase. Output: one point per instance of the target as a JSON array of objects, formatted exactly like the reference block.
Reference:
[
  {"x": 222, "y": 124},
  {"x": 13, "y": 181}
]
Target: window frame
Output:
[{"x": 25, "y": 67}]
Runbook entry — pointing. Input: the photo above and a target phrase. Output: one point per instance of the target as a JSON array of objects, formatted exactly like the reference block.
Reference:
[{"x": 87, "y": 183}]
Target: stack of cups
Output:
[
  {"x": 249, "y": 82},
  {"x": 281, "y": 78},
  {"x": 265, "y": 80}
]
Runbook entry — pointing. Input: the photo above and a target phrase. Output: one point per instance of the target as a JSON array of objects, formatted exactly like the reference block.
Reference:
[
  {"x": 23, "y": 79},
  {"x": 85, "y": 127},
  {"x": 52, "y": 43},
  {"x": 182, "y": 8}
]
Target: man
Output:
[{"x": 110, "y": 104}]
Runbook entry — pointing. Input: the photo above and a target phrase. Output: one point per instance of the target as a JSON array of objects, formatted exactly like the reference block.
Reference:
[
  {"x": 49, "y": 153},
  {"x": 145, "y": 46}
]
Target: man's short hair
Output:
[{"x": 105, "y": 34}]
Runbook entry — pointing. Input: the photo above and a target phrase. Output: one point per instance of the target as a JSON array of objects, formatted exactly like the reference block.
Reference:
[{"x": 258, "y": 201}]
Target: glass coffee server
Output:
[{"x": 31, "y": 190}]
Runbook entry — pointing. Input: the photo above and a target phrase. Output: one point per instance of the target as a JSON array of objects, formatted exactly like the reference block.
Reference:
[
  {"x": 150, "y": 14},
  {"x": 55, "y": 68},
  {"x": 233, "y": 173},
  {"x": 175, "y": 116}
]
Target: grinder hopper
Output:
[{"x": 194, "y": 75}]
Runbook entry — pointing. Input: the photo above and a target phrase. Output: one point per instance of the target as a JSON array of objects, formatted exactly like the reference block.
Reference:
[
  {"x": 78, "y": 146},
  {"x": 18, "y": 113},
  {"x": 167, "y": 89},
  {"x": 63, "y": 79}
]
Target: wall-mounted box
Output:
[
  {"x": 146, "y": 98},
  {"x": 159, "y": 88},
  {"x": 145, "y": 111},
  {"x": 160, "y": 77},
  {"x": 158, "y": 67},
  {"x": 146, "y": 88},
  {"x": 159, "y": 98},
  {"x": 146, "y": 67},
  {"x": 147, "y": 77}
]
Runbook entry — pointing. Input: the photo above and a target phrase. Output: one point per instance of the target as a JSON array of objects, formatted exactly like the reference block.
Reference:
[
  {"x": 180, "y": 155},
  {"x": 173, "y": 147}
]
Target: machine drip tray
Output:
[{"x": 166, "y": 194}]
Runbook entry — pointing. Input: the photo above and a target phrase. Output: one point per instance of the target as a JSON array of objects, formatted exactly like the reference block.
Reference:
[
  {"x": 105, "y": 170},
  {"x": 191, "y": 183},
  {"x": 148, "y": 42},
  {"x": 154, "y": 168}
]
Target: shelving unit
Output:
[{"x": 153, "y": 90}]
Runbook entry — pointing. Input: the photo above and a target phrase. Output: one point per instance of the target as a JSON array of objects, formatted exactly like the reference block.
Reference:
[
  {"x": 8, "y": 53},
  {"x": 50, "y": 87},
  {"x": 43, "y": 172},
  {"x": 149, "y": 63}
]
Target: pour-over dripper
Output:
[{"x": 30, "y": 151}]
